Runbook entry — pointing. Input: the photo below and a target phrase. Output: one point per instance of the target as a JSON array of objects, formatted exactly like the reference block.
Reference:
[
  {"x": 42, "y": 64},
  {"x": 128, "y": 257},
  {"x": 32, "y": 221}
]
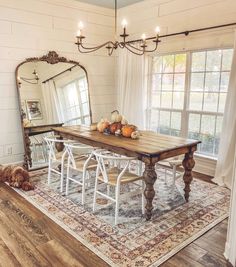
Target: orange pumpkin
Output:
[
  {"x": 114, "y": 127},
  {"x": 128, "y": 129}
]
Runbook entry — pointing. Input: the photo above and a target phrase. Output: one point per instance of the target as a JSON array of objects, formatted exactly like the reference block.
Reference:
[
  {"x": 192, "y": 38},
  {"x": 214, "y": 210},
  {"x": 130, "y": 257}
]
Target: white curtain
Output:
[
  {"x": 51, "y": 103},
  {"x": 224, "y": 168},
  {"x": 131, "y": 74},
  {"x": 230, "y": 247}
]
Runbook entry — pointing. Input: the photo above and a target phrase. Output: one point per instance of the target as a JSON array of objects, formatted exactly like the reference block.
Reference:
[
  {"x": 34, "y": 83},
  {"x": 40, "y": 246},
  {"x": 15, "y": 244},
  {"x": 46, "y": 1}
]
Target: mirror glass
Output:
[{"x": 50, "y": 95}]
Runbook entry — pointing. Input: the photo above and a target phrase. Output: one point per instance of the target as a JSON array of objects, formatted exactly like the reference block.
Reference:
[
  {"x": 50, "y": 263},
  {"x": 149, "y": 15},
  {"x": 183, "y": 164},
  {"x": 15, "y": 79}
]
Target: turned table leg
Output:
[
  {"x": 150, "y": 177},
  {"x": 27, "y": 157},
  {"x": 188, "y": 164}
]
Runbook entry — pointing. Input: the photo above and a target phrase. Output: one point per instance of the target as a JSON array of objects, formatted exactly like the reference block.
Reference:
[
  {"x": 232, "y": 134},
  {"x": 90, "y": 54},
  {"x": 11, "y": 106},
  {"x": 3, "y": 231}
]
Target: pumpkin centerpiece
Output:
[
  {"x": 102, "y": 125},
  {"x": 128, "y": 129}
]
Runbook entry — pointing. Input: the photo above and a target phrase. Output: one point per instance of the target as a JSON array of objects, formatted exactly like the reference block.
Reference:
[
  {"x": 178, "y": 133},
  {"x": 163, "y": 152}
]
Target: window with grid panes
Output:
[
  {"x": 187, "y": 95},
  {"x": 75, "y": 102}
]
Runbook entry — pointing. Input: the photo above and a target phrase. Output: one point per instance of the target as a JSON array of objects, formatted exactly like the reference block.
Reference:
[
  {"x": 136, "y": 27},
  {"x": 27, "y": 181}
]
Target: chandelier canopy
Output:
[{"x": 123, "y": 43}]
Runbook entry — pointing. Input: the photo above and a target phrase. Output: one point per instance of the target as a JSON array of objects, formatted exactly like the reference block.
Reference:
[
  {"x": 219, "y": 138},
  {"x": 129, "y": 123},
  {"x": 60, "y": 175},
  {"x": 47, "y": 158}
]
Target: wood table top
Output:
[{"x": 149, "y": 143}]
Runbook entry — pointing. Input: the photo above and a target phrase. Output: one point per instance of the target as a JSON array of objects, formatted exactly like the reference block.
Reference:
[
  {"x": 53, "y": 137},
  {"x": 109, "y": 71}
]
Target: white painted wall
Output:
[
  {"x": 30, "y": 28},
  {"x": 177, "y": 16}
]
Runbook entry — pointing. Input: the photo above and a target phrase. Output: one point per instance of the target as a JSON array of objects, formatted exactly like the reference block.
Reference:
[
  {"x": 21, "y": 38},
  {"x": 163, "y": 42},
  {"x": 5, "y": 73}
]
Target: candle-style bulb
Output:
[
  {"x": 143, "y": 37},
  {"x": 157, "y": 30},
  {"x": 124, "y": 23},
  {"x": 79, "y": 33},
  {"x": 81, "y": 25}
]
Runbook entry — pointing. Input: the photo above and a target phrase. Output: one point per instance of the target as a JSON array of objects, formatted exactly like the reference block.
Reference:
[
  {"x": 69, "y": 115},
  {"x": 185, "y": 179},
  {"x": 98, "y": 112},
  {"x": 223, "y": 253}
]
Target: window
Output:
[
  {"x": 187, "y": 95},
  {"x": 75, "y": 102}
]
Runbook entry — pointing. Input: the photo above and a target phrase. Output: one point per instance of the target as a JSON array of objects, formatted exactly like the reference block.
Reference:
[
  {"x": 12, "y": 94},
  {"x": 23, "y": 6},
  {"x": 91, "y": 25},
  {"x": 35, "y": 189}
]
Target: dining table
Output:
[{"x": 150, "y": 148}]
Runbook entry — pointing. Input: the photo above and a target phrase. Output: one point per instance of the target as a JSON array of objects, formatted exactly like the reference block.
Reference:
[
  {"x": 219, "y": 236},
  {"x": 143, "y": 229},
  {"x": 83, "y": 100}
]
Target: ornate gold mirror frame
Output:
[{"x": 51, "y": 58}]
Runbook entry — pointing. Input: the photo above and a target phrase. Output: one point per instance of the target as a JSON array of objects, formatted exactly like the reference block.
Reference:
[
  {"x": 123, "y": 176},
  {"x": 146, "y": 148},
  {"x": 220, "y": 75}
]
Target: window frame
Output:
[
  {"x": 186, "y": 111},
  {"x": 82, "y": 117}
]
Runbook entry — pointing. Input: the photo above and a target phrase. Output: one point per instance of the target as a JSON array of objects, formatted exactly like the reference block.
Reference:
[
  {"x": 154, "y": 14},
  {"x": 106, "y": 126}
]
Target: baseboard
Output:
[
  {"x": 226, "y": 253},
  {"x": 13, "y": 163}
]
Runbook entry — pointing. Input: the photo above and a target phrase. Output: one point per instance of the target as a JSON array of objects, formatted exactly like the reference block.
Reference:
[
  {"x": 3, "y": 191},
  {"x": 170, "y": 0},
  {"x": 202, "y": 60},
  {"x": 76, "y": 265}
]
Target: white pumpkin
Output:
[
  {"x": 124, "y": 121},
  {"x": 116, "y": 116},
  {"x": 103, "y": 123},
  {"x": 135, "y": 135}
]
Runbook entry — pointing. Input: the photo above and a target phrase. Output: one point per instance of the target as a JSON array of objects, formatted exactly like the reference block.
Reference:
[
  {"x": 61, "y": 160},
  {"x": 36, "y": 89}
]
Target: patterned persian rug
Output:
[{"x": 134, "y": 241}]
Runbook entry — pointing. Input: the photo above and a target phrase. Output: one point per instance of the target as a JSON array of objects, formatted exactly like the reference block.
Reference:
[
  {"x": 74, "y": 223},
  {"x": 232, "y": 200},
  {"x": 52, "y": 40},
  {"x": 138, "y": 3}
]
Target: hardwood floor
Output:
[{"x": 29, "y": 238}]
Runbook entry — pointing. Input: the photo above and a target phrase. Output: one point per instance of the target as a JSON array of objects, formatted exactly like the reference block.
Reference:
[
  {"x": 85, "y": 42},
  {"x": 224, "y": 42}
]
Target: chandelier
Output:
[
  {"x": 33, "y": 80},
  {"x": 123, "y": 43}
]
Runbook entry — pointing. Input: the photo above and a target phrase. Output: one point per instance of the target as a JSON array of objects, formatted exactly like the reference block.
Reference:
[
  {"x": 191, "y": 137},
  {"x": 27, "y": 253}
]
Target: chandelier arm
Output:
[
  {"x": 153, "y": 50},
  {"x": 129, "y": 49},
  {"x": 110, "y": 52},
  {"x": 96, "y": 47},
  {"x": 87, "y": 51},
  {"x": 133, "y": 47}
]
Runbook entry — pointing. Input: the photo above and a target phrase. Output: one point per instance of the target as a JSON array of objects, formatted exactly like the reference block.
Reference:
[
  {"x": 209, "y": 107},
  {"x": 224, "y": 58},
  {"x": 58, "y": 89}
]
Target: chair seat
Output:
[
  {"x": 80, "y": 161},
  {"x": 59, "y": 155},
  {"x": 127, "y": 177},
  {"x": 171, "y": 162}
]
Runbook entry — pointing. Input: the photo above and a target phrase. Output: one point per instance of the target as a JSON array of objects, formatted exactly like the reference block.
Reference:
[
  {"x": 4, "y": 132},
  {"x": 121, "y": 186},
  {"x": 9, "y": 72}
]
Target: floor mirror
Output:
[{"x": 53, "y": 91}]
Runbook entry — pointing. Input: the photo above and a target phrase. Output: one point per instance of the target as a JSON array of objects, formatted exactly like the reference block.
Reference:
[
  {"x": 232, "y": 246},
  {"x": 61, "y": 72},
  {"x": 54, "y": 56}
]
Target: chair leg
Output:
[
  {"x": 49, "y": 172},
  {"x": 62, "y": 176},
  {"x": 174, "y": 179},
  {"x": 117, "y": 203},
  {"x": 108, "y": 190},
  {"x": 143, "y": 197},
  {"x": 95, "y": 194},
  {"x": 67, "y": 178},
  {"x": 83, "y": 186},
  {"x": 140, "y": 165},
  {"x": 165, "y": 176}
]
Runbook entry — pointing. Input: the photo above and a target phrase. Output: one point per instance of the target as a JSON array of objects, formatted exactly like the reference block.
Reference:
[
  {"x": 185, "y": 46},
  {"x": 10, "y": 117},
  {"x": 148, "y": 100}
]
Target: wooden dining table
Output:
[{"x": 150, "y": 148}]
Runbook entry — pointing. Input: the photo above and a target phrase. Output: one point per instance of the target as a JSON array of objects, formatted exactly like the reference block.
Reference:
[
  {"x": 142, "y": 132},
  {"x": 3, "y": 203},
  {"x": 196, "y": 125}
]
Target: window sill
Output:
[{"x": 201, "y": 156}]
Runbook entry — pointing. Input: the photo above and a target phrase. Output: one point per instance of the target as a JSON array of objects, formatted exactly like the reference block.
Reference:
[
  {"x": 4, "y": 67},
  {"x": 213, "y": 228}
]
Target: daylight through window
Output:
[{"x": 187, "y": 95}]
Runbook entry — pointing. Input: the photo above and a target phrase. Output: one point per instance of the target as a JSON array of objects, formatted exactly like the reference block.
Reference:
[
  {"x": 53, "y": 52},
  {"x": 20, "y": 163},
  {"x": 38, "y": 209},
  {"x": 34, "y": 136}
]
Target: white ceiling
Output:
[{"x": 111, "y": 3}]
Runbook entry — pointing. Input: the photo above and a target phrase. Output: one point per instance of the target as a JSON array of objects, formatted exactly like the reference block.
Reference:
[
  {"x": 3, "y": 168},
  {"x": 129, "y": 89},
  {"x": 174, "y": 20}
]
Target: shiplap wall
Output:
[
  {"x": 31, "y": 28},
  {"x": 181, "y": 15}
]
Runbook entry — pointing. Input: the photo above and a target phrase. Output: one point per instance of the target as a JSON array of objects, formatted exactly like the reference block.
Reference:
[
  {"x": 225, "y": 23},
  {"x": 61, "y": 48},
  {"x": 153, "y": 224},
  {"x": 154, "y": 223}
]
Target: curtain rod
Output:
[
  {"x": 70, "y": 69},
  {"x": 186, "y": 33}
]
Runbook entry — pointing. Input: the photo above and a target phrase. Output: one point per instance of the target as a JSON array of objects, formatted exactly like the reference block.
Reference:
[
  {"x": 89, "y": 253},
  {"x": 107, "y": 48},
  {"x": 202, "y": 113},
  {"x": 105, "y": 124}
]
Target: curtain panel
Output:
[
  {"x": 131, "y": 94},
  {"x": 225, "y": 162}
]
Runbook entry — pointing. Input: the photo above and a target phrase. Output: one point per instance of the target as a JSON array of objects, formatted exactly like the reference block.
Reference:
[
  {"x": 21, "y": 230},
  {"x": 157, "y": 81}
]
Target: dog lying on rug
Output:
[{"x": 16, "y": 176}]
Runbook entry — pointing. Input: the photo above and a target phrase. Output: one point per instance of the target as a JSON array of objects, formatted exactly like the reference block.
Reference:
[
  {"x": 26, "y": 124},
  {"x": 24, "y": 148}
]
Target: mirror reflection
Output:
[{"x": 50, "y": 95}]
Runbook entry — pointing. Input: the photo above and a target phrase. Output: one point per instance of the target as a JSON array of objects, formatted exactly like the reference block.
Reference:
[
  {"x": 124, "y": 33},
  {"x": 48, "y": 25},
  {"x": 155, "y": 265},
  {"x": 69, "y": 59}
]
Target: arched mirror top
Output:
[{"x": 52, "y": 90}]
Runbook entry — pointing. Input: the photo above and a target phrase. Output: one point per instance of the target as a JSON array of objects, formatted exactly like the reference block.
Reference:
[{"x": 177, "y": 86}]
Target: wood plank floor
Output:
[{"x": 29, "y": 238}]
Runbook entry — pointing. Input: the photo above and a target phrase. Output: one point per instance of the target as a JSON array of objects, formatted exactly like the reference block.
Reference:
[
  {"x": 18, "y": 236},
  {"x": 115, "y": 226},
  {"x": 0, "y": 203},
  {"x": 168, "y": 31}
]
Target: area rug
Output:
[{"x": 134, "y": 241}]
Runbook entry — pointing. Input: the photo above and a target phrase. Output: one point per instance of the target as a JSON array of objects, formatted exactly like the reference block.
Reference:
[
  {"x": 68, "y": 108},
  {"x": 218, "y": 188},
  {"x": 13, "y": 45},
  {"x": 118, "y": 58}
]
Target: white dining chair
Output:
[
  {"x": 171, "y": 164},
  {"x": 56, "y": 160},
  {"x": 115, "y": 177},
  {"x": 82, "y": 161},
  {"x": 39, "y": 149}
]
